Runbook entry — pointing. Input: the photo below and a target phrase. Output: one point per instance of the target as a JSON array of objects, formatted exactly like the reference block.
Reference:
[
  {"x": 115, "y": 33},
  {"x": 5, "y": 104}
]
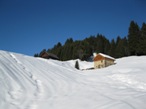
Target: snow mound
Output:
[{"x": 34, "y": 83}]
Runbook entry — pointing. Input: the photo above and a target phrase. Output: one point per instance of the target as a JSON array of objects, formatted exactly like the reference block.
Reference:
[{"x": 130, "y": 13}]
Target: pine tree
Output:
[
  {"x": 133, "y": 38},
  {"x": 119, "y": 47},
  {"x": 77, "y": 65},
  {"x": 69, "y": 41},
  {"x": 36, "y": 55},
  {"x": 143, "y": 40},
  {"x": 112, "y": 48},
  {"x": 126, "y": 47}
]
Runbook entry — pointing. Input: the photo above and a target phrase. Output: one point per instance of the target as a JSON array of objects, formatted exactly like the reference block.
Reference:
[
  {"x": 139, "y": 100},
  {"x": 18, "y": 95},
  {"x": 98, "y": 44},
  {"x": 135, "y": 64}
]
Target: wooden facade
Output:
[{"x": 102, "y": 60}]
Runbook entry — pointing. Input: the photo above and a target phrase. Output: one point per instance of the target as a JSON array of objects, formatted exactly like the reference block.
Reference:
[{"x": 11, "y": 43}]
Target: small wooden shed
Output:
[
  {"x": 102, "y": 60},
  {"x": 47, "y": 55}
]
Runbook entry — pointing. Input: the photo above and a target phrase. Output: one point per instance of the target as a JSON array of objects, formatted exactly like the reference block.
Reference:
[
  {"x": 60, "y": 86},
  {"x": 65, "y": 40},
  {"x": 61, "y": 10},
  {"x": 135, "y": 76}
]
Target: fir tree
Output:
[
  {"x": 133, "y": 38},
  {"x": 77, "y": 65},
  {"x": 36, "y": 55},
  {"x": 112, "y": 48},
  {"x": 143, "y": 40}
]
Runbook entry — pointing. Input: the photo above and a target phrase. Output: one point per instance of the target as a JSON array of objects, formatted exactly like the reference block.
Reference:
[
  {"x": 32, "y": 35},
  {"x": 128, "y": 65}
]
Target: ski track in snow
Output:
[
  {"x": 30, "y": 83},
  {"x": 39, "y": 88}
]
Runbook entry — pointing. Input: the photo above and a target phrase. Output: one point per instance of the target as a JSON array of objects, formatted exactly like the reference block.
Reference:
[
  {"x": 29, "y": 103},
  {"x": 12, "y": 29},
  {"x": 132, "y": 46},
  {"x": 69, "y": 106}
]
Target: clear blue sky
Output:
[{"x": 28, "y": 26}]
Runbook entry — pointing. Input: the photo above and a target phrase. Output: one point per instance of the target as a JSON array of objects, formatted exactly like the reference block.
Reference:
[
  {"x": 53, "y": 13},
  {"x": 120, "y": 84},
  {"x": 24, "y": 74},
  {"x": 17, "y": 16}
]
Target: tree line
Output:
[{"x": 132, "y": 44}]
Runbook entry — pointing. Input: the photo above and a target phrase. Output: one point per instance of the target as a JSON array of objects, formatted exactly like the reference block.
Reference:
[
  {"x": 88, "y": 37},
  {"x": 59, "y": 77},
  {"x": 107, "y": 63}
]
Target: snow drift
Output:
[{"x": 35, "y": 83}]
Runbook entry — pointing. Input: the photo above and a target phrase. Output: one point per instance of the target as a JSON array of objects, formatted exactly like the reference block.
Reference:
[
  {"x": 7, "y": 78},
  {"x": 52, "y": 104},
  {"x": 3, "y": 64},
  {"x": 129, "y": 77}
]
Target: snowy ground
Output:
[{"x": 34, "y": 83}]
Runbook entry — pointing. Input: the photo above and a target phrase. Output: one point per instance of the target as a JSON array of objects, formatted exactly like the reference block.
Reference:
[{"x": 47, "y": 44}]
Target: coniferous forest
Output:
[{"x": 132, "y": 44}]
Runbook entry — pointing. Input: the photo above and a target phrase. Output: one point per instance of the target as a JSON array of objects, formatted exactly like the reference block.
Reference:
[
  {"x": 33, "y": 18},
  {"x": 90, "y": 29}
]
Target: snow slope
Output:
[{"x": 34, "y": 83}]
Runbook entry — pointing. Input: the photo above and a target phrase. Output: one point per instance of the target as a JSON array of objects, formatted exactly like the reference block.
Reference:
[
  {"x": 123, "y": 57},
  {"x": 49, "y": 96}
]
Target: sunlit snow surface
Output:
[{"x": 34, "y": 83}]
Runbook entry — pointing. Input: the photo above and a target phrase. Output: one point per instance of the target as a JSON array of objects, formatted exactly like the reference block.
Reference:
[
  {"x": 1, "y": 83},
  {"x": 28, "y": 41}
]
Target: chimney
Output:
[{"x": 94, "y": 54}]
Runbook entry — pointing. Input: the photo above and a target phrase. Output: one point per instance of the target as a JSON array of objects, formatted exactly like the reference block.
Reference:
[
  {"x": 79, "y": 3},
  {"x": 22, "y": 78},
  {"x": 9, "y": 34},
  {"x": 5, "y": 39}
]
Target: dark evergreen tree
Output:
[
  {"x": 36, "y": 55},
  {"x": 133, "y": 38},
  {"x": 112, "y": 48},
  {"x": 99, "y": 48},
  {"x": 126, "y": 47},
  {"x": 118, "y": 48},
  {"x": 59, "y": 45},
  {"x": 106, "y": 46},
  {"x": 142, "y": 45},
  {"x": 77, "y": 65},
  {"x": 69, "y": 41},
  {"x": 121, "y": 48},
  {"x": 118, "y": 40}
]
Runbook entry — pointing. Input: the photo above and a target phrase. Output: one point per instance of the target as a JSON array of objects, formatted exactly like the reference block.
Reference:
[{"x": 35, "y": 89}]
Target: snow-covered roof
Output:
[{"x": 106, "y": 56}]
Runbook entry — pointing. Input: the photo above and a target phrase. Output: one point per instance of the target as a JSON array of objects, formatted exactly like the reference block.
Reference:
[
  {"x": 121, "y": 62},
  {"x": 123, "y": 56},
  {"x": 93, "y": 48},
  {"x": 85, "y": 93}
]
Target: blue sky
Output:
[{"x": 28, "y": 26}]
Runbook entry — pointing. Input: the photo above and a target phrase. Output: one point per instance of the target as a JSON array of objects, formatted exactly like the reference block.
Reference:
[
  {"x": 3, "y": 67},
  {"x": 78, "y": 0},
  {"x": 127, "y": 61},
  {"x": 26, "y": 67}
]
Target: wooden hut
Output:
[
  {"x": 101, "y": 60},
  {"x": 47, "y": 55}
]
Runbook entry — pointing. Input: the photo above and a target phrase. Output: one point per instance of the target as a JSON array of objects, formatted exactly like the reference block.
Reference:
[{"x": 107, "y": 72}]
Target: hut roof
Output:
[{"x": 48, "y": 55}]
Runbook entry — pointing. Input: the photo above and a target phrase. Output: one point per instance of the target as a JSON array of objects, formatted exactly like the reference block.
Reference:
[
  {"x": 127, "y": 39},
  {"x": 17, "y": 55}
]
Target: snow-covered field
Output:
[{"x": 34, "y": 83}]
